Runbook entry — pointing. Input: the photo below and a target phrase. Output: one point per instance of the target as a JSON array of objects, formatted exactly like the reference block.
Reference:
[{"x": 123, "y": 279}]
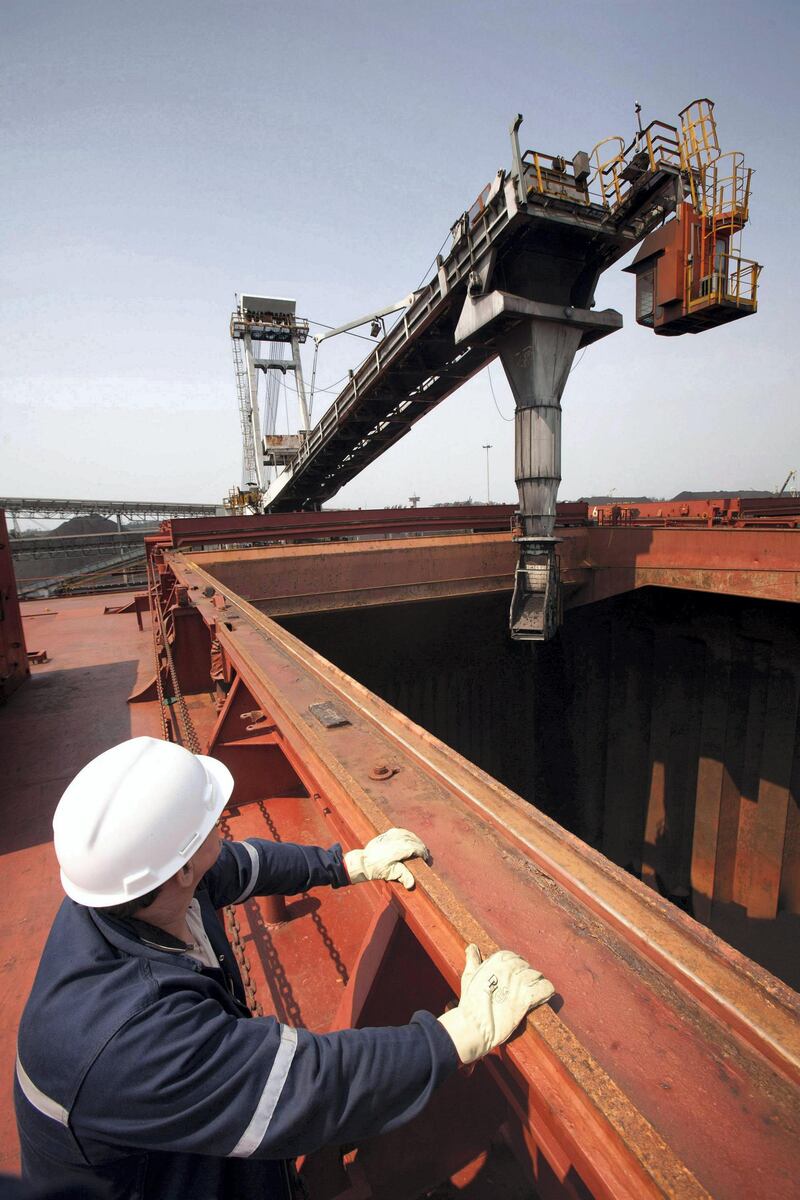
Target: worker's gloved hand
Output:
[
  {"x": 382, "y": 858},
  {"x": 495, "y": 996}
]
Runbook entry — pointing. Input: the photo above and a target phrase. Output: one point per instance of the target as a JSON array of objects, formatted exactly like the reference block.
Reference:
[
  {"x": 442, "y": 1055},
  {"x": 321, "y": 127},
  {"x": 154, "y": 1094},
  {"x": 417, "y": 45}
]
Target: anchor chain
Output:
[
  {"x": 192, "y": 743},
  {"x": 162, "y": 643},
  {"x": 233, "y": 929}
]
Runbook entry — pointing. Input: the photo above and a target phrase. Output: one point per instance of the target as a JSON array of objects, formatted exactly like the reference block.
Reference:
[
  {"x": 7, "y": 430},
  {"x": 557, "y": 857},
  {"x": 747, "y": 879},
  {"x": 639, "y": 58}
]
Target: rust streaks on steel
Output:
[
  {"x": 596, "y": 563},
  {"x": 672, "y": 940},
  {"x": 606, "y": 560},
  {"x": 668, "y": 937},
  {"x": 619, "y": 1152},
  {"x": 570, "y": 1079}
]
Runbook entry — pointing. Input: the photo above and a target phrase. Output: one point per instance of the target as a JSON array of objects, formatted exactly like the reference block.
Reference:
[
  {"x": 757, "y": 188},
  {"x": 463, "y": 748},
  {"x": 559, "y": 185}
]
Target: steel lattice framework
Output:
[{"x": 32, "y": 508}]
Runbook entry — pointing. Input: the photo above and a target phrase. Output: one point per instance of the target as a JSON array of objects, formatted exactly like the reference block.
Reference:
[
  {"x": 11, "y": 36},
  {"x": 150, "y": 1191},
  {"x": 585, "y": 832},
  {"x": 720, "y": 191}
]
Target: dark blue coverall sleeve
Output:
[
  {"x": 257, "y": 867},
  {"x": 196, "y": 1079}
]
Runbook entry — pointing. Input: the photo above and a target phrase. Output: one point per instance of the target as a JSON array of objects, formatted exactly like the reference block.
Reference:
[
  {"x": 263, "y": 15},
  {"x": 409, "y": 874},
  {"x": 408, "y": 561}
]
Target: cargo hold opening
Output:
[{"x": 650, "y": 727}]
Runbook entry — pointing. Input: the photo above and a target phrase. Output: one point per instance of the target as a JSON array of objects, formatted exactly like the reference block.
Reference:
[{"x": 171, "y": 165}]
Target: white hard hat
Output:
[{"x": 133, "y": 816}]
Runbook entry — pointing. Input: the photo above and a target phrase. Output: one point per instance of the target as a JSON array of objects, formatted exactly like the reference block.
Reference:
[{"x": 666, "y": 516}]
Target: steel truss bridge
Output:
[{"x": 38, "y": 508}]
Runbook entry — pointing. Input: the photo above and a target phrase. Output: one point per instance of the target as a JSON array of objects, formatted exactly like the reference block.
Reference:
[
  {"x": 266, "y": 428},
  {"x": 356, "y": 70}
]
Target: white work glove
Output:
[
  {"x": 382, "y": 858},
  {"x": 495, "y": 996}
]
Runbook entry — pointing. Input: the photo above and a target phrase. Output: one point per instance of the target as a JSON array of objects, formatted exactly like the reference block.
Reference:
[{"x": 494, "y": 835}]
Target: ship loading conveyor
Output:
[
  {"x": 418, "y": 364},
  {"x": 519, "y": 283}
]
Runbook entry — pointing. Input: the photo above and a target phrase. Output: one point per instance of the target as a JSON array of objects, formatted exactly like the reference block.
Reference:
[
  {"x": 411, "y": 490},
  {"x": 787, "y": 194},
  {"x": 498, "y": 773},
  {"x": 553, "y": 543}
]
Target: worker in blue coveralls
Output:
[{"x": 139, "y": 1064}]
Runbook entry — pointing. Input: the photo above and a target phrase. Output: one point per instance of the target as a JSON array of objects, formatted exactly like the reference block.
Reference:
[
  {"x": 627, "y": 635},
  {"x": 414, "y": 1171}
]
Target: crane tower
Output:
[{"x": 258, "y": 323}]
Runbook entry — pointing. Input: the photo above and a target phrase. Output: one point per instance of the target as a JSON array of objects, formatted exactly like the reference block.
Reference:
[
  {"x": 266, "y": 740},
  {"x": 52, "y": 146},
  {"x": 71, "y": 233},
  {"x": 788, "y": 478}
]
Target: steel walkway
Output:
[{"x": 517, "y": 238}]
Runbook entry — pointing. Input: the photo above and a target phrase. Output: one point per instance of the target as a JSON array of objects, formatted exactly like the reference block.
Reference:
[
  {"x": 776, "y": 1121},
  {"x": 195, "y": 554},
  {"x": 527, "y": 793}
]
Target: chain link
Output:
[
  {"x": 162, "y": 707},
  {"x": 162, "y": 645},
  {"x": 233, "y": 930},
  {"x": 316, "y": 919}
]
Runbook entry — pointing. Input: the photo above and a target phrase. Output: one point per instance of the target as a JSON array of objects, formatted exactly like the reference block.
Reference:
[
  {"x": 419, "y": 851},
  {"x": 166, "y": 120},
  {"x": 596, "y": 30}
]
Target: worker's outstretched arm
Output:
[
  {"x": 257, "y": 867},
  {"x": 188, "y": 1077},
  {"x": 183, "y": 1076}
]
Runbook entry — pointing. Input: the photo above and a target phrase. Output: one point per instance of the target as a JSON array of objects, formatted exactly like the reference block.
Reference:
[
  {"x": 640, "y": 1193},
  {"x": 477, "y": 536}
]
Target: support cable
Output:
[
  {"x": 432, "y": 262},
  {"x": 491, "y": 388}
]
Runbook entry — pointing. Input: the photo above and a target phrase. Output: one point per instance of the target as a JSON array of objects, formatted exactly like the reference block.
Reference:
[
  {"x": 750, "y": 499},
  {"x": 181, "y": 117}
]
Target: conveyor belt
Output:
[{"x": 546, "y": 249}]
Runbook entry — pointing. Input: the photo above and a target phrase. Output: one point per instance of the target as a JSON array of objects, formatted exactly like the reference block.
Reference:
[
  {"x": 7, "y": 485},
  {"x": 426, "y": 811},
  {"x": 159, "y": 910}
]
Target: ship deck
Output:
[
  {"x": 72, "y": 708},
  {"x": 608, "y": 1092}
]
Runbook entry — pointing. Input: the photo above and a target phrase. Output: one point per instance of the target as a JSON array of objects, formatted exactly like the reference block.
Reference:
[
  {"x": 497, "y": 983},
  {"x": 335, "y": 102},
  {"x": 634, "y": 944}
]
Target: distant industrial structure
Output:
[
  {"x": 75, "y": 559},
  {"x": 37, "y": 508}
]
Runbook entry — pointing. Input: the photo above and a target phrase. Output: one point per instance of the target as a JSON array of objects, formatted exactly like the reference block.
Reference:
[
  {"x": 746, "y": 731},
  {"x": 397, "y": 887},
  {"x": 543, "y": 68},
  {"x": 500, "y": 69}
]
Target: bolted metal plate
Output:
[{"x": 328, "y": 715}]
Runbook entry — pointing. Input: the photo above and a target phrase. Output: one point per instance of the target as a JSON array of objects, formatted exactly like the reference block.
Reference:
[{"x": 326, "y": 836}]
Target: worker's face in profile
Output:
[{"x": 207, "y": 855}]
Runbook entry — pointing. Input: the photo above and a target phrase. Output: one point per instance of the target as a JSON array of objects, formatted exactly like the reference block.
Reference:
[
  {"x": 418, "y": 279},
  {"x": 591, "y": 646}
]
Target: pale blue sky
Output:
[{"x": 158, "y": 157}]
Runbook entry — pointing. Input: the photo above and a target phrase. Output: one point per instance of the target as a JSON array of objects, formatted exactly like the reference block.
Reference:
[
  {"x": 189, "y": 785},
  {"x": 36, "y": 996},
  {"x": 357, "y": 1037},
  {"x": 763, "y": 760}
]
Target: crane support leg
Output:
[{"x": 536, "y": 343}]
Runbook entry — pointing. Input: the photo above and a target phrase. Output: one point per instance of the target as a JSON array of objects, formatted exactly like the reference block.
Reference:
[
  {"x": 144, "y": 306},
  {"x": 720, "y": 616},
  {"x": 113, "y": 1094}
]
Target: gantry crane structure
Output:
[
  {"x": 518, "y": 283},
  {"x": 258, "y": 321}
]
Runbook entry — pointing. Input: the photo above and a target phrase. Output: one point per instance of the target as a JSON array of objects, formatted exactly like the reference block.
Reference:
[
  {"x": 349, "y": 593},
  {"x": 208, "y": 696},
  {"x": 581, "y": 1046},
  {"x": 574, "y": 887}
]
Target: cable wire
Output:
[
  {"x": 432, "y": 262},
  {"x": 491, "y": 385},
  {"x": 491, "y": 388},
  {"x": 331, "y": 389}
]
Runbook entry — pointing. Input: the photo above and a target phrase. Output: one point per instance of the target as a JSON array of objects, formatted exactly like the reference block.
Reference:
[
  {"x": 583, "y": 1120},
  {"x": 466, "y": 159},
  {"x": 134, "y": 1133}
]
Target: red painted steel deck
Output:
[
  {"x": 72, "y": 708},
  {"x": 668, "y": 1064}
]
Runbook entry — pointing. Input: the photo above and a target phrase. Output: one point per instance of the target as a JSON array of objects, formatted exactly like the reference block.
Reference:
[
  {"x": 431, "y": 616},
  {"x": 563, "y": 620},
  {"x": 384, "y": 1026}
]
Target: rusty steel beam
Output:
[
  {"x": 672, "y": 1066},
  {"x": 340, "y": 523},
  {"x": 599, "y": 562},
  {"x": 596, "y": 563},
  {"x": 284, "y": 580}
]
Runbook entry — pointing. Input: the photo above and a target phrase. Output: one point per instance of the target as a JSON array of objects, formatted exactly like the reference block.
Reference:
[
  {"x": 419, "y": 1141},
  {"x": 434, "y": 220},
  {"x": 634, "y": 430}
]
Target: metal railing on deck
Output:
[
  {"x": 735, "y": 281},
  {"x": 547, "y": 174},
  {"x": 618, "y": 168},
  {"x": 721, "y": 190}
]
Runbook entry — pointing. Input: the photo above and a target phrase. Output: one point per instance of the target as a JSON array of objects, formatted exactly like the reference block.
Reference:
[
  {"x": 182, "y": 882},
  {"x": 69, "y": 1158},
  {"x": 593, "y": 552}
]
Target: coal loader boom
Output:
[{"x": 518, "y": 283}]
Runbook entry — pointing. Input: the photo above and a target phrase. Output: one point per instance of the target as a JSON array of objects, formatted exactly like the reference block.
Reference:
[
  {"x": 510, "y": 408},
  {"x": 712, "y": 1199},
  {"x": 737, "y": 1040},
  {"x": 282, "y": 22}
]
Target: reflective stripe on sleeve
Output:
[
  {"x": 255, "y": 863},
  {"x": 41, "y": 1102},
  {"x": 253, "y": 1136}
]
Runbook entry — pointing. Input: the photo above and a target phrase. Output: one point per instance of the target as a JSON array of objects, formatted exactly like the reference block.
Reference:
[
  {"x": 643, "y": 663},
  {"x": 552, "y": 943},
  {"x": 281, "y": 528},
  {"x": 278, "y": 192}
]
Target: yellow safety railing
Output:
[
  {"x": 699, "y": 141},
  {"x": 617, "y": 167},
  {"x": 608, "y": 157},
  {"x": 723, "y": 190},
  {"x": 662, "y": 145},
  {"x": 732, "y": 280}
]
